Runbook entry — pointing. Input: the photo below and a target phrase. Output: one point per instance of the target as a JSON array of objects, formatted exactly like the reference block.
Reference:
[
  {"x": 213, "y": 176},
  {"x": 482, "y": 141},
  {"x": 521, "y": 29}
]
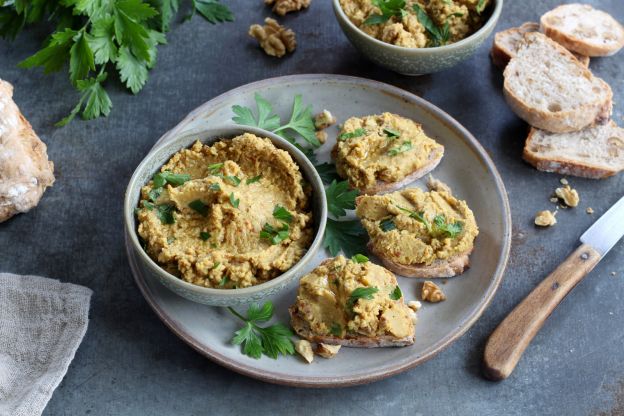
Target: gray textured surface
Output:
[{"x": 130, "y": 364}]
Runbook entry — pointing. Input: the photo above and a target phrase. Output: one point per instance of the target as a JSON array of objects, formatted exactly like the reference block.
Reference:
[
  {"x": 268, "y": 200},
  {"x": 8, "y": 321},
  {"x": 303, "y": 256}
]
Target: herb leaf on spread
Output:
[
  {"x": 204, "y": 235},
  {"x": 336, "y": 330},
  {"x": 480, "y": 6},
  {"x": 282, "y": 214},
  {"x": 234, "y": 180},
  {"x": 439, "y": 35},
  {"x": 327, "y": 172},
  {"x": 254, "y": 179},
  {"x": 396, "y": 294},
  {"x": 215, "y": 168},
  {"x": 275, "y": 235},
  {"x": 165, "y": 213},
  {"x": 340, "y": 198},
  {"x": 360, "y": 293},
  {"x": 402, "y": 148},
  {"x": 173, "y": 179},
  {"x": 199, "y": 207},
  {"x": 359, "y": 258},
  {"x": 346, "y": 236},
  {"x": 235, "y": 202},
  {"x": 387, "y": 225},
  {"x": 388, "y": 9},
  {"x": 255, "y": 340},
  {"x": 450, "y": 229},
  {"x": 392, "y": 133},
  {"x": 352, "y": 134},
  {"x": 214, "y": 187}
]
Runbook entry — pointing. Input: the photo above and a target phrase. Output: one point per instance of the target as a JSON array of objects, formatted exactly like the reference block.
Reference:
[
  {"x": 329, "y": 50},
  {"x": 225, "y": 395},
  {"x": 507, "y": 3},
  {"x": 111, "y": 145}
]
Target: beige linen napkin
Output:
[{"x": 42, "y": 322}]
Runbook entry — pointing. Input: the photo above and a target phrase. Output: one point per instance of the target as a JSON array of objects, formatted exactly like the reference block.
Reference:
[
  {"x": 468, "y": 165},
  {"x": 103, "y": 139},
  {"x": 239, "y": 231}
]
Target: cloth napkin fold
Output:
[{"x": 42, "y": 322}]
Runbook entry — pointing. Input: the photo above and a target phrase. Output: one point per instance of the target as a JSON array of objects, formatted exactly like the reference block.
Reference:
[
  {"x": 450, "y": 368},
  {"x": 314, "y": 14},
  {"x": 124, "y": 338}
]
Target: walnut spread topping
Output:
[
  {"x": 304, "y": 348},
  {"x": 432, "y": 293},
  {"x": 545, "y": 219},
  {"x": 276, "y": 40},
  {"x": 282, "y": 7},
  {"x": 568, "y": 195},
  {"x": 326, "y": 350}
]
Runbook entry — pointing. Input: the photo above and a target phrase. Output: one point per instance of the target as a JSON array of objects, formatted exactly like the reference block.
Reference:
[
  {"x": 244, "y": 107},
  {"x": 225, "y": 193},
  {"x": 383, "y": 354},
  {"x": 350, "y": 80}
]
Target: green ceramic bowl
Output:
[
  {"x": 417, "y": 61},
  {"x": 209, "y": 296}
]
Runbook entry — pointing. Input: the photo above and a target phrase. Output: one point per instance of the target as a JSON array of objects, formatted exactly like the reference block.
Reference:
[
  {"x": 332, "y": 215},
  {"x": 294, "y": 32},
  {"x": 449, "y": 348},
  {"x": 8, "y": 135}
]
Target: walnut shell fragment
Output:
[
  {"x": 282, "y": 7},
  {"x": 276, "y": 40}
]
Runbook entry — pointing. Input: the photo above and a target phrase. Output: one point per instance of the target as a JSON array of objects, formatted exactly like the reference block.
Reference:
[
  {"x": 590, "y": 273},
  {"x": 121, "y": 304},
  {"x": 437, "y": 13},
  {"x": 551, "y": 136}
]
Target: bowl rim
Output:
[
  {"x": 489, "y": 24},
  {"x": 215, "y": 133}
]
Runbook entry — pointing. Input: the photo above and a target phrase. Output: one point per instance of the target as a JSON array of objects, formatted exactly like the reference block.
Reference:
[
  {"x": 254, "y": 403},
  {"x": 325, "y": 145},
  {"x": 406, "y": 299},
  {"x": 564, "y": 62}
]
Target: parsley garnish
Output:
[
  {"x": 439, "y": 35},
  {"x": 215, "y": 168},
  {"x": 336, "y": 330},
  {"x": 327, "y": 172},
  {"x": 98, "y": 38},
  {"x": 204, "y": 235},
  {"x": 352, "y": 134},
  {"x": 199, "y": 207},
  {"x": 402, "y": 148},
  {"x": 173, "y": 179},
  {"x": 214, "y": 187},
  {"x": 282, "y": 214},
  {"x": 224, "y": 280},
  {"x": 387, "y": 225},
  {"x": 480, "y": 6},
  {"x": 274, "y": 235},
  {"x": 234, "y": 180},
  {"x": 360, "y": 293},
  {"x": 165, "y": 213},
  {"x": 234, "y": 201},
  {"x": 451, "y": 230},
  {"x": 396, "y": 294},
  {"x": 147, "y": 205},
  {"x": 388, "y": 9},
  {"x": 256, "y": 340},
  {"x": 391, "y": 133},
  {"x": 254, "y": 179},
  {"x": 359, "y": 258},
  {"x": 340, "y": 198},
  {"x": 154, "y": 194},
  {"x": 346, "y": 236}
]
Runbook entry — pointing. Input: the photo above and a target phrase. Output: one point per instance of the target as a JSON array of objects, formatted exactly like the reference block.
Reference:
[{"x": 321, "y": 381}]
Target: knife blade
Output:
[
  {"x": 608, "y": 230},
  {"x": 511, "y": 338}
]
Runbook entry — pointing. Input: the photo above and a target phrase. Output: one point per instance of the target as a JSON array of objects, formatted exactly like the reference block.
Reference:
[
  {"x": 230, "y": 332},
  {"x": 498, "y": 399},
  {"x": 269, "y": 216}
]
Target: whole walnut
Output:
[
  {"x": 276, "y": 40},
  {"x": 282, "y": 7}
]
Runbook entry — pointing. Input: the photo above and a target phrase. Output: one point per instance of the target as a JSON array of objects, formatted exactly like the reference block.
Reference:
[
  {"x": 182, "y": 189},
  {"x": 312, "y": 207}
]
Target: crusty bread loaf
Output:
[
  {"x": 25, "y": 171},
  {"x": 583, "y": 29},
  {"x": 548, "y": 88},
  {"x": 302, "y": 329},
  {"x": 507, "y": 41},
  {"x": 596, "y": 152}
]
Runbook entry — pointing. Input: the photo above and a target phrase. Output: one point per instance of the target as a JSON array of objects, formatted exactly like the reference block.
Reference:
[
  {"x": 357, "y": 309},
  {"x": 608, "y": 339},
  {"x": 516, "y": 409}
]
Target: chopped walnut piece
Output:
[
  {"x": 545, "y": 219},
  {"x": 414, "y": 305},
  {"x": 326, "y": 350},
  {"x": 282, "y": 7},
  {"x": 275, "y": 39},
  {"x": 568, "y": 195},
  {"x": 437, "y": 185},
  {"x": 321, "y": 136},
  {"x": 323, "y": 120},
  {"x": 304, "y": 348},
  {"x": 563, "y": 181},
  {"x": 431, "y": 292},
  {"x": 589, "y": 210}
]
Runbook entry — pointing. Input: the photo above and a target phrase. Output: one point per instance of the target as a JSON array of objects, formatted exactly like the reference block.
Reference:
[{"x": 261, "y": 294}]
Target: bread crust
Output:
[
  {"x": 303, "y": 330},
  {"x": 563, "y": 166},
  {"x": 562, "y": 121},
  {"x": 454, "y": 266},
  {"x": 575, "y": 43},
  {"x": 382, "y": 187}
]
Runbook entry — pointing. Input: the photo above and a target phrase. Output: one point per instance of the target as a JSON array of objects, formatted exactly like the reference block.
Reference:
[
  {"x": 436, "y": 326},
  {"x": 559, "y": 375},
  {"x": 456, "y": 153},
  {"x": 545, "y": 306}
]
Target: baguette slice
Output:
[
  {"x": 596, "y": 152},
  {"x": 507, "y": 41},
  {"x": 583, "y": 29},
  {"x": 549, "y": 89}
]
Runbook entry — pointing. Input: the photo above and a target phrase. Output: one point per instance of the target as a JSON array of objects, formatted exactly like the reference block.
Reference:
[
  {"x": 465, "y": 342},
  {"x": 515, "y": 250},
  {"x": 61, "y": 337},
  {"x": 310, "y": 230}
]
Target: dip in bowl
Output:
[
  {"x": 420, "y": 38},
  {"x": 226, "y": 216}
]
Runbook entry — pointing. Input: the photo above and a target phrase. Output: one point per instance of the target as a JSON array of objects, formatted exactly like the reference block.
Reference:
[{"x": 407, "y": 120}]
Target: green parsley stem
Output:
[{"x": 236, "y": 314}]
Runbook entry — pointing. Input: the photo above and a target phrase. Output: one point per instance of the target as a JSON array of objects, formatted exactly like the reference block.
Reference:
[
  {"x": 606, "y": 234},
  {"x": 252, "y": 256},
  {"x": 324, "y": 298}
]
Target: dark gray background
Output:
[{"x": 130, "y": 364}]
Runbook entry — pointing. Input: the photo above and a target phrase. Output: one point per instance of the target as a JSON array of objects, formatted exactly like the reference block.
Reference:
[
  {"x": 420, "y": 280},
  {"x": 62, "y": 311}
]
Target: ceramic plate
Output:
[{"x": 466, "y": 168}]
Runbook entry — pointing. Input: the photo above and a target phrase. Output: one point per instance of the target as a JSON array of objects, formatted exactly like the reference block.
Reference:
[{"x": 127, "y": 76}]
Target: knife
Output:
[{"x": 510, "y": 339}]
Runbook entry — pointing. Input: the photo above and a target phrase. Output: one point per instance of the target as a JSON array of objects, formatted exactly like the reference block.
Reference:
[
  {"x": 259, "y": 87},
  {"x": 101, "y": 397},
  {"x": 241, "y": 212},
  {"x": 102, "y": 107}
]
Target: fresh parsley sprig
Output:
[
  {"x": 360, "y": 293},
  {"x": 256, "y": 340},
  {"x": 340, "y": 198},
  {"x": 388, "y": 8},
  {"x": 439, "y": 35},
  {"x": 346, "y": 236},
  {"x": 440, "y": 224},
  {"x": 402, "y": 148},
  {"x": 396, "y": 294}
]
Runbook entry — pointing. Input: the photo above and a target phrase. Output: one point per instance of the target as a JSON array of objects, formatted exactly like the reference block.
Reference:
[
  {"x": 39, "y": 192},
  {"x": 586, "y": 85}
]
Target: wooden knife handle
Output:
[{"x": 509, "y": 340}]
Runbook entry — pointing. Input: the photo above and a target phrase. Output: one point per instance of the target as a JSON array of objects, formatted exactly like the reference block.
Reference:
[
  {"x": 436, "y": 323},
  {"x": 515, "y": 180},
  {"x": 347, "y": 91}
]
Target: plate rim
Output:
[{"x": 343, "y": 381}]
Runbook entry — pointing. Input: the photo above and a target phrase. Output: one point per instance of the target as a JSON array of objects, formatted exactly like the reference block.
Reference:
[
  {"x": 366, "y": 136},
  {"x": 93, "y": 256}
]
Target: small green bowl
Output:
[
  {"x": 417, "y": 61},
  {"x": 209, "y": 296}
]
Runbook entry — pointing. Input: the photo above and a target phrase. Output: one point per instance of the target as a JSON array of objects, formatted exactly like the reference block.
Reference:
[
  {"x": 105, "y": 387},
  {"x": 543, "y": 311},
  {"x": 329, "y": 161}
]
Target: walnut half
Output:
[
  {"x": 545, "y": 219},
  {"x": 282, "y": 7},
  {"x": 568, "y": 195},
  {"x": 431, "y": 292},
  {"x": 276, "y": 40}
]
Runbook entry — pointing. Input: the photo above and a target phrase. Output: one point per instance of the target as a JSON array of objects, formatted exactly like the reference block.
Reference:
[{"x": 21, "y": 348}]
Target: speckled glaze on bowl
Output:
[
  {"x": 417, "y": 61},
  {"x": 209, "y": 296}
]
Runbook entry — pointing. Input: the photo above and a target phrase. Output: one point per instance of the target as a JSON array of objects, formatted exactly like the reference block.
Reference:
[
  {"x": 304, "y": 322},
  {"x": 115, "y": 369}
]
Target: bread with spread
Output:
[{"x": 354, "y": 304}]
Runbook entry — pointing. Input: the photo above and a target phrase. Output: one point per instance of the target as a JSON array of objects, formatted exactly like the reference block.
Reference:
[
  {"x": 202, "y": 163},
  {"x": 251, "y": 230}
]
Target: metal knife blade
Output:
[{"x": 607, "y": 231}]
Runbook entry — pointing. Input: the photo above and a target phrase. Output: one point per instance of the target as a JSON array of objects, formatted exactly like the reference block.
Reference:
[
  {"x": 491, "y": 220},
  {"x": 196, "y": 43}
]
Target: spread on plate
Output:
[
  {"x": 230, "y": 215},
  {"x": 347, "y": 299},
  {"x": 417, "y": 227},
  {"x": 384, "y": 147},
  {"x": 417, "y": 23}
]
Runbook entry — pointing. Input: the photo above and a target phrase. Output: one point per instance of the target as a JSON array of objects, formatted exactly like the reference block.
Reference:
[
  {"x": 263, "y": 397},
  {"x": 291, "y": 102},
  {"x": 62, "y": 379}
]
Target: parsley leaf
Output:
[
  {"x": 451, "y": 230},
  {"x": 204, "y": 235},
  {"x": 213, "y": 11},
  {"x": 282, "y": 214},
  {"x": 256, "y": 340},
  {"x": 346, "y": 236},
  {"x": 359, "y": 258},
  {"x": 302, "y": 122},
  {"x": 165, "y": 213},
  {"x": 336, "y": 330},
  {"x": 174, "y": 179},
  {"x": 198, "y": 206},
  {"x": 254, "y": 179},
  {"x": 274, "y": 235},
  {"x": 340, "y": 198},
  {"x": 214, "y": 187},
  {"x": 391, "y": 133},
  {"x": 54, "y": 55},
  {"x": 215, "y": 168},
  {"x": 439, "y": 35},
  {"x": 94, "y": 97},
  {"x": 235, "y": 202},
  {"x": 224, "y": 281},
  {"x": 327, "y": 172},
  {"x": 402, "y": 148},
  {"x": 234, "y": 180},
  {"x": 396, "y": 294},
  {"x": 388, "y": 8},
  {"x": 387, "y": 225},
  {"x": 360, "y": 293},
  {"x": 352, "y": 134},
  {"x": 480, "y": 6},
  {"x": 80, "y": 58},
  {"x": 266, "y": 120}
]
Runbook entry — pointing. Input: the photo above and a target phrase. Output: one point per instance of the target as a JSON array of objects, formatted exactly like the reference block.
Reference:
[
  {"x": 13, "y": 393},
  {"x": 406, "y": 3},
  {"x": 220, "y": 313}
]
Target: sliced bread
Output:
[
  {"x": 596, "y": 152},
  {"x": 549, "y": 89},
  {"x": 583, "y": 29},
  {"x": 506, "y": 44}
]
